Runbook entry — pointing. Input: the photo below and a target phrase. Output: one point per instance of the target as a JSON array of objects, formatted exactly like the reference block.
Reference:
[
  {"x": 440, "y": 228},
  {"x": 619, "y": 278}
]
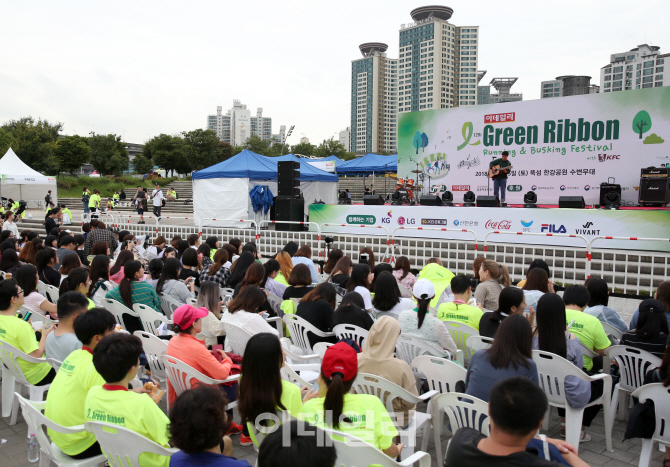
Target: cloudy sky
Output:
[{"x": 143, "y": 68}]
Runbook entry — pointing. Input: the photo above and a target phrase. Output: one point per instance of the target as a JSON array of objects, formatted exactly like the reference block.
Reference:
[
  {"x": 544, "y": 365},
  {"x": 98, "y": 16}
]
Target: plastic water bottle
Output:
[{"x": 33, "y": 449}]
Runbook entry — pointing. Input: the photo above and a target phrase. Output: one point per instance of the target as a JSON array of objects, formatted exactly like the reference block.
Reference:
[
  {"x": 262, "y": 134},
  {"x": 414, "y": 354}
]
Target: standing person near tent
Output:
[
  {"x": 139, "y": 200},
  {"x": 159, "y": 199},
  {"x": 85, "y": 197},
  {"x": 94, "y": 203},
  {"x": 48, "y": 199}
]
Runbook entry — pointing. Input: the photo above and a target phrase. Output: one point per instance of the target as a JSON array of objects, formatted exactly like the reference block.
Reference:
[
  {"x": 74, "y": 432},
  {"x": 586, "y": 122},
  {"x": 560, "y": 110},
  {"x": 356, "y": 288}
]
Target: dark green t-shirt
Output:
[{"x": 501, "y": 163}]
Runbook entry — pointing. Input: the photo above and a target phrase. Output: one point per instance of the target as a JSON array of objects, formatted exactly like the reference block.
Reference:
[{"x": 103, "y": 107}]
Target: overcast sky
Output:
[{"x": 139, "y": 69}]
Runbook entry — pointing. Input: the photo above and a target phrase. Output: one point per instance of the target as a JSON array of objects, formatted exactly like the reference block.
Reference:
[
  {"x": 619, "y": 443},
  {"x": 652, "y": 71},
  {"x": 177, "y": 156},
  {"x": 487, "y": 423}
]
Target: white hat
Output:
[{"x": 423, "y": 287}]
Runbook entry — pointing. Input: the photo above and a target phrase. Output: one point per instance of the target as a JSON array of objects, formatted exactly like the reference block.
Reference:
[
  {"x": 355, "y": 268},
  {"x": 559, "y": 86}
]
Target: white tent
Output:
[{"x": 20, "y": 182}]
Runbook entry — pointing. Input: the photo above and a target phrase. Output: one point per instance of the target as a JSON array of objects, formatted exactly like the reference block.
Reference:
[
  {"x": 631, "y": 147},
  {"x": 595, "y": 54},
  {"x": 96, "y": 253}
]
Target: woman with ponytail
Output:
[
  {"x": 133, "y": 289},
  {"x": 511, "y": 302},
  {"x": 217, "y": 272},
  {"x": 420, "y": 323},
  {"x": 77, "y": 281},
  {"x": 494, "y": 277},
  {"x": 361, "y": 415}
]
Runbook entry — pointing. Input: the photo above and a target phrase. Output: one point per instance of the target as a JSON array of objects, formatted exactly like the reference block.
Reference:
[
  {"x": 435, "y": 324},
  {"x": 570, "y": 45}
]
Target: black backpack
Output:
[{"x": 47, "y": 198}]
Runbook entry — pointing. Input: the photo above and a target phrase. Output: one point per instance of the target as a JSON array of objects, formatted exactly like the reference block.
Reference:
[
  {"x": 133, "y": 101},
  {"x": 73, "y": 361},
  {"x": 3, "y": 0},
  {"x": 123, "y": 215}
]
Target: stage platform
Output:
[{"x": 519, "y": 225}]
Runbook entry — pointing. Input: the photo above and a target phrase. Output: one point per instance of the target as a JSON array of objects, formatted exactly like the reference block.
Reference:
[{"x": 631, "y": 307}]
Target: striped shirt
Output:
[
  {"x": 487, "y": 293},
  {"x": 141, "y": 292},
  {"x": 99, "y": 235},
  {"x": 654, "y": 346}
]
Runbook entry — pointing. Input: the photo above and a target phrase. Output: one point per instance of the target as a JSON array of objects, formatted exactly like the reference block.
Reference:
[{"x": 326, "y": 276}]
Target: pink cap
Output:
[{"x": 185, "y": 315}]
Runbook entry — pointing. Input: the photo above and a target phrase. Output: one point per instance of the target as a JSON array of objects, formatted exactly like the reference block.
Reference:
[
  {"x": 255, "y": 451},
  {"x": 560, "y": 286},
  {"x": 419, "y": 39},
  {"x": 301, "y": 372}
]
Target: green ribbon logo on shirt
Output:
[{"x": 467, "y": 132}]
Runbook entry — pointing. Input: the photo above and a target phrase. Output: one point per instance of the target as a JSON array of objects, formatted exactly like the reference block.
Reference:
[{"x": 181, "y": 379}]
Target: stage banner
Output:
[
  {"x": 588, "y": 223},
  {"x": 557, "y": 146}
]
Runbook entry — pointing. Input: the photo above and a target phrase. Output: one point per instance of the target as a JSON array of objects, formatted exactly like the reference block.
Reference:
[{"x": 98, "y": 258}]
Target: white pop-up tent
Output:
[
  {"x": 19, "y": 182},
  {"x": 222, "y": 190}
]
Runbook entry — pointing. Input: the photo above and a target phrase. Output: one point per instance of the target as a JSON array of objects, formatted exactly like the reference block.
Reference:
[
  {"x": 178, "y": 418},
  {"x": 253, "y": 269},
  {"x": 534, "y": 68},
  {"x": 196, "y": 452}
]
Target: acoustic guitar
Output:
[{"x": 496, "y": 169}]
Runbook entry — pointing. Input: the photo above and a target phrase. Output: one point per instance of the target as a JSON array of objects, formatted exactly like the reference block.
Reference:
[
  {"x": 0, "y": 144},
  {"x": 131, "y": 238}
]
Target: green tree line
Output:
[{"x": 39, "y": 144}]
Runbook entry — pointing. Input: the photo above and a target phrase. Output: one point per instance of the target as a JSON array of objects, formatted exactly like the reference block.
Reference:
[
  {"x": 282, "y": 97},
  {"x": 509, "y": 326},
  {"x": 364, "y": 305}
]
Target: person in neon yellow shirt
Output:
[
  {"x": 20, "y": 334},
  {"x": 65, "y": 210},
  {"x": 459, "y": 310},
  {"x": 262, "y": 389},
  {"x": 117, "y": 358},
  {"x": 77, "y": 375},
  {"x": 588, "y": 329},
  {"x": 361, "y": 415},
  {"x": 440, "y": 277},
  {"x": 94, "y": 203}
]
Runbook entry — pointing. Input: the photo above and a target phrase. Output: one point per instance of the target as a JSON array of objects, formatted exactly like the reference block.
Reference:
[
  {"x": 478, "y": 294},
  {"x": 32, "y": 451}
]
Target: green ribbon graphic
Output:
[{"x": 467, "y": 132}]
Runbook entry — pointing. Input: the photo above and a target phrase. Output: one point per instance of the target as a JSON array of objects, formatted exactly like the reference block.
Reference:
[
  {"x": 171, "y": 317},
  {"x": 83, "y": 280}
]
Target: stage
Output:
[{"x": 568, "y": 227}]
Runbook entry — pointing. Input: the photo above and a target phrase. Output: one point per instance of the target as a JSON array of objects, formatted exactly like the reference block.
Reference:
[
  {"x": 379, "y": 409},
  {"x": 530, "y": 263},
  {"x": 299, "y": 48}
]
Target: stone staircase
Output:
[
  {"x": 382, "y": 185},
  {"x": 184, "y": 203}
]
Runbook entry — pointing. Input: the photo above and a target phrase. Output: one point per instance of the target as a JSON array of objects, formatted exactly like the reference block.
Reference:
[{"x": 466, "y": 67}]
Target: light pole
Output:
[{"x": 290, "y": 130}]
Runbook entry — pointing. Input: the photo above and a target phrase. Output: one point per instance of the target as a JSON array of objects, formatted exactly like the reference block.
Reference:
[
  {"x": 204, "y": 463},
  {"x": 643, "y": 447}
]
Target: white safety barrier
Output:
[
  {"x": 454, "y": 252},
  {"x": 629, "y": 271},
  {"x": 106, "y": 217},
  {"x": 251, "y": 223},
  {"x": 272, "y": 241},
  {"x": 355, "y": 239}
]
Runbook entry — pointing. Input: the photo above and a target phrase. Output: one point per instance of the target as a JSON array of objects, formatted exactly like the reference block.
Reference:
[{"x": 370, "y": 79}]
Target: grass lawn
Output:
[{"x": 72, "y": 187}]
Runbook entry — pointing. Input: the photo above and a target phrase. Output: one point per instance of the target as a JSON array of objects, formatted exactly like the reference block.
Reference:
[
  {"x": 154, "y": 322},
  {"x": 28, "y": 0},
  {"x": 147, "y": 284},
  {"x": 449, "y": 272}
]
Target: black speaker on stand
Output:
[
  {"x": 430, "y": 200},
  {"x": 487, "y": 201},
  {"x": 289, "y": 203},
  {"x": 575, "y": 202}
]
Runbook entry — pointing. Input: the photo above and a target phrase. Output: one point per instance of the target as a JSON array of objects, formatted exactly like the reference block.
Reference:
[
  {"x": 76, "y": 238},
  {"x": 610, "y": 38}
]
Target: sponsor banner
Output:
[
  {"x": 328, "y": 166},
  {"x": 588, "y": 223},
  {"x": 566, "y": 146}
]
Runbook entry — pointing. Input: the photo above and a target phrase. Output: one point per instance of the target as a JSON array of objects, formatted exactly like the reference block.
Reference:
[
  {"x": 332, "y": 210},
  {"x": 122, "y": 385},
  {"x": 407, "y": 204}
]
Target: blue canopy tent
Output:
[
  {"x": 222, "y": 190},
  {"x": 368, "y": 164}
]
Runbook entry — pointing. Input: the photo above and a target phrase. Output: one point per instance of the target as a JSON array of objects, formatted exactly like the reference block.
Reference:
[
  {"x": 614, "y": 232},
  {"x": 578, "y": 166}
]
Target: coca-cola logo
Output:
[{"x": 500, "y": 225}]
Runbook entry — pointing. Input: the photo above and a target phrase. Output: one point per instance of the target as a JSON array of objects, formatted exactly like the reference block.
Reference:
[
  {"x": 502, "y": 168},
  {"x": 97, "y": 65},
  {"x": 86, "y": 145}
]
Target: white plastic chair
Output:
[
  {"x": 463, "y": 411},
  {"x": 633, "y": 365},
  {"x": 440, "y": 373},
  {"x": 387, "y": 391},
  {"x": 661, "y": 397},
  {"x": 55, "y": 364},
  {"x": 122, "y": 447},
  {"x": 322, "y": 277},
  {"x": 349, "y": 331},
  {"x": 41, "y": 288},
  {"x": 460, "y": 333},
  {"x": 289, "y": 374},
  {"x": 275, "y": 303},
  {"x": 320, "y": 348},
  {"x": 154, "y": 348},
  {"x": 118, "y": 309},
  {"x": 51, "y": 293},
  {"x": 150, "y": 318},
  {"x": 404, "y": 291},
  {"x": 408, "y": 347},
  {"x": 37, "y": 316},
  {"x": 287, "y": 344},
  {"x": 612, "y": 332},
  {"x": 169, "y": 304},
  {"x": 477, "y": 343},
  {"x": 12, "y": 374},
  {"x": 226, "y": 293},
  {"x": 32, "y": 413},
  {"x": 180, "y": 374},
  {"x": 237, "y": 337},
  {"x": 299, "y": 328},
  {"x": 355, "y": 452},
  {"x": 189, "y": 301},
  {"x": 552, "y": 371}
]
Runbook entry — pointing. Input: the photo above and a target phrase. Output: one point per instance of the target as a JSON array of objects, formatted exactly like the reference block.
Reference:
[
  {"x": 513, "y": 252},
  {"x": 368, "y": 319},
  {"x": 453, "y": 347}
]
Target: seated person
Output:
[
  {"x": 441, "y": 278},
  {"x": 459, "y": 310},
  {"x": 302, "y": 450},
  {"x": 317, "y": 309},
  {"x": 351, "y": 311},
  {"x": 587, "y": 328},
  {"x": 516, "y": 409},
  {"x": 651, "y": 333},
  {"x": 66, "y": 396},
  {"x": 117, "y": 358},
  {"x": 300, "y": 283},
  {"x": 20, "y": 334},
  {"x": 202, "y": 406},
  {"x": 63, "y": 340},
  {"x": 511, "y": 301},
  {"x": 598, "y": 302}
]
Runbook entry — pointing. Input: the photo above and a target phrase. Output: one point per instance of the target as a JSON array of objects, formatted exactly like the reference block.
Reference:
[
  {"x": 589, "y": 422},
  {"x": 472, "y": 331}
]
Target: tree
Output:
[
  {"x": 418, "y": 141},
  {"x": 330, "y": 147},
  {"x": 33, "y": 141},
  {"x": 258, "y": 145},
  {"x": 236, "y": 150},
  {"x": 108, "y": 154},
  {"x": 305, "y": 149},
  {"x": 642, "y": 122},
  {"x": 226, "y": 151},
  {"x": 142, "y": 164},
  {"x": 71, "y": 152},
  {"x": 169, "y": 153},
  {"x": 6, "y": 140},
  {"x": 202, "y": 148},
  {"x": 424, "y": 141}
]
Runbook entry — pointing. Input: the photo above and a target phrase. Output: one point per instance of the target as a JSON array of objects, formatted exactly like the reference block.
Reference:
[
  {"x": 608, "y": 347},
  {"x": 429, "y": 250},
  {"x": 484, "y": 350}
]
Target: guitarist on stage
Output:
[{"x": 498, "y": 170}]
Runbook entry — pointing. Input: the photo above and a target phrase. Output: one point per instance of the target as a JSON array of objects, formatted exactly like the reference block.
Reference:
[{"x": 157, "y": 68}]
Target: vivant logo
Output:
[
  {"x": 586, "y": 230},
  {"x": 551, "y": 228},
  {"x": 501, "y": 225},
  {"x": 608, "y": 157},
  {"x": 587, "y": 225}
]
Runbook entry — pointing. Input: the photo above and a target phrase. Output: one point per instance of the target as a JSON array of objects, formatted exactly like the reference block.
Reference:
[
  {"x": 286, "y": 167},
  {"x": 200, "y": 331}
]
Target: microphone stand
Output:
[{"x": 488, "y": 179}]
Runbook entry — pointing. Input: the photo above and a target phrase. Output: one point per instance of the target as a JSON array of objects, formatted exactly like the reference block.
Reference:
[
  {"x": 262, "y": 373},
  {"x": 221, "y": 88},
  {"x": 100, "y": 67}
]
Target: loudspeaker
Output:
[
  {"x": 373, "y": 199},
  {"x": 289, "y": 209},
  {"x": 606, "y": 188},
  {"x": 571, "y": 202},
  {"x": 654, "y": 191},
  {"x": 287, "y": 179},
  {"x": 487, "y": 201},
  {"x": 430, "y": 200}
]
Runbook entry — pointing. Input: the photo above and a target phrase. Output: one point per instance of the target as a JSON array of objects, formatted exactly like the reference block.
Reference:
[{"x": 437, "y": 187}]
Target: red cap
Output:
[
  {"x": 340, "y": 358},
  {"x": 185, "y": 315}
]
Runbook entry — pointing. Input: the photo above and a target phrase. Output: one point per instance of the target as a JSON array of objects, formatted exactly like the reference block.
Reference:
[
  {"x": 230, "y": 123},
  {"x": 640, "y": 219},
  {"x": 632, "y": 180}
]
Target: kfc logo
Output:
[
  {"x": 608, "y": 157},
  {"x": 501, "y": 225}
]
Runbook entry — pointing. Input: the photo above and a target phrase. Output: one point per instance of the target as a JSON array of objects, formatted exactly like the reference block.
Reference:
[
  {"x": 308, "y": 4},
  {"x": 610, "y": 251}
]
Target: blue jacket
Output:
[{"x": 261, "y": 198}]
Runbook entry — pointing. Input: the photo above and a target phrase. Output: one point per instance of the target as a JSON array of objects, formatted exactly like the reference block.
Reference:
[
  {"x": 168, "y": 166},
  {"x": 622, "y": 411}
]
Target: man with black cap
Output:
[
  {"x": 499, "y": 176},
  {"x": 158, "y": 197}
]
